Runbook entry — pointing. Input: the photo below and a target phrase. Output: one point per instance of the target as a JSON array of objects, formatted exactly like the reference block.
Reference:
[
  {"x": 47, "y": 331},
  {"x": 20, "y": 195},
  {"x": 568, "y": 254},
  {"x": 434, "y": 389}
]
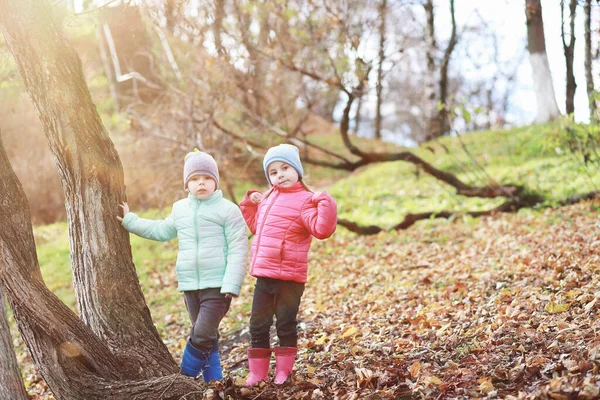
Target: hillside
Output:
[
  {"x": 532, "y": 156},
  {"x": 491, "y": 307}
]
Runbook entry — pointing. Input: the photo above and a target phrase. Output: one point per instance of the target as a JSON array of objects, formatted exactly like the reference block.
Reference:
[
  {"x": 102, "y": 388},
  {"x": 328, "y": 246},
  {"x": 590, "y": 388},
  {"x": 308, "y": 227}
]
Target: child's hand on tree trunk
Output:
[{"x": 125, "y": 209}]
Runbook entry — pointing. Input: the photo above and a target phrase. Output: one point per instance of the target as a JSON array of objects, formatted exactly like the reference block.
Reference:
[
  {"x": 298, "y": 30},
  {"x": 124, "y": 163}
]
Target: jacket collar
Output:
[
  {"x": 216, "y": 196},
  {"x": 296, "y": 187}
]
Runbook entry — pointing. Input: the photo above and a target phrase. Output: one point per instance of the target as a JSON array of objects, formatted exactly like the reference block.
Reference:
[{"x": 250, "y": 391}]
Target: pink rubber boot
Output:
[
  {"x": 258, "y": 363},
  {"x": 284, "y": 362}
]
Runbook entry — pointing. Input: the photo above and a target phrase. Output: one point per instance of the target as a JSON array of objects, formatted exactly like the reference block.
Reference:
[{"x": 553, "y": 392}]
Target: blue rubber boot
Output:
[
  {"x": 193, "y": 360},
  {"x": 212, "y": 371}
]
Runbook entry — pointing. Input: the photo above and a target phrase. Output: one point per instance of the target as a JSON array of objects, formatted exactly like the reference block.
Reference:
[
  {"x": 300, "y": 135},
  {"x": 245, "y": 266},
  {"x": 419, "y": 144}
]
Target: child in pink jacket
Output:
[{"x": 284, "y": 219}]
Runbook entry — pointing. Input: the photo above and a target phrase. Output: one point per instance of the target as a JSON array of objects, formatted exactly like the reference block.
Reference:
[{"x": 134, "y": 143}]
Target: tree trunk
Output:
[
  {"x": 589, "y": 78},
  {"x": 261, "y": 64},
  {"x": 547, "y": 109},
  {"x": 171, "y": 9},
  {"x": 218, "y": 25},
  {"x": 379, "y": 87},
  {"x": 569, "y": 50},
  {"x": 114, "y": 351},
  {"x": 107, "y": 65},
  {"x": 60, "y": 344},
  {"x": 444, "y": 122},
  {"x": 256, "y": 71},
  {"x": 430, "y": 113},
  {"x": 357, "y": 119},
  {"x": 11, "y": 383},
  {"x": 108, "y": 294}
]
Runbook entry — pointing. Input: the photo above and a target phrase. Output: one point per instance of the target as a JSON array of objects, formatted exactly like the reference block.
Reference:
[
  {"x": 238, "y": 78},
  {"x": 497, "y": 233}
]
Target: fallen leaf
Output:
[
  {"x": 554, "y": 308},
  {"x": 415, "y": 369},
  {"x": 350, "y": 331}
]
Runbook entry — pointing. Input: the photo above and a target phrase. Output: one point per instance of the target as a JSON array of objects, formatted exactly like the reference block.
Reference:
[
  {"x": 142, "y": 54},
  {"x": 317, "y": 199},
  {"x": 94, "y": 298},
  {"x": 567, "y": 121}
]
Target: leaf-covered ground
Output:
[{"x": 499, "y": 307}]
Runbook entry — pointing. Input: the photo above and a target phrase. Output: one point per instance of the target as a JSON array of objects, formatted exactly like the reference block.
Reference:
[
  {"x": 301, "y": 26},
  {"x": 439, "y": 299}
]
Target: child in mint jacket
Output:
[{"x": 211, "y": 262}]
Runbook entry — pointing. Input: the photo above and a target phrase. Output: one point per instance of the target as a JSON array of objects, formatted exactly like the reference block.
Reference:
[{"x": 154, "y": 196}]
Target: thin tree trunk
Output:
[
  {"x": 379, "y": 87},
  {"x": 357, "y": 119},
  {"x": 589, "y": 78},
  {"x": 547, "y": 109},
  {"x": 444, "y": 122},
  {"x": 569, "y": 50},
  {"x": 108, "y": 294},
  {"x": 430, "y": 108},
  {"x": 11, "y": 382},
  {"x": 171, "y": 9},
  {"x": 261, "y": 64},
  {"x": 107, "y": 65},
  {"x": 218, "y": 25}
]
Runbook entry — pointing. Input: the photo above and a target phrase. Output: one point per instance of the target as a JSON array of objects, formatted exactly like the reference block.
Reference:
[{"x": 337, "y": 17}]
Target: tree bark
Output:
[
  {"x": 589, "y": 78},
  {"x": 108, "y": 294},
  {"x": 547, "y": 109},
  {"x": 444, "y": 122},
  {"x": 218, "y": 25},
  {"x": 11, "y": 382},
  {"x": 379, "y": 86},
  {"x": 114, "y": 351},
  {"x": 60, "y": 344},
  {"x": 430, "y": 107},
  {"x": 253, "y": 87},
  {"x": 107, "y": 65},
  {"x": 171, "y": 9},
  {"x": 569, "y": 51},
  {"x": 357, "y": 118}
]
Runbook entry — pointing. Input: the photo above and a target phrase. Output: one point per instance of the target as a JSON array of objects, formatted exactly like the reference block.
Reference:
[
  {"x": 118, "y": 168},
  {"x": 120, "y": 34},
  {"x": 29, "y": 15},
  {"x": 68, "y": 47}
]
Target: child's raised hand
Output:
[
  {"x": 125, "y": 209},
  {"x": 256, "y": 197}
]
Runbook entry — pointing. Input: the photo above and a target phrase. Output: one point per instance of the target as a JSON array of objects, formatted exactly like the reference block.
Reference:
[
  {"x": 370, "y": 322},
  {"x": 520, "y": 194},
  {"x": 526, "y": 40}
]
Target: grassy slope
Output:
[
  {"x": 383, "y": 193},
  {"x": 379, "y": 194}
]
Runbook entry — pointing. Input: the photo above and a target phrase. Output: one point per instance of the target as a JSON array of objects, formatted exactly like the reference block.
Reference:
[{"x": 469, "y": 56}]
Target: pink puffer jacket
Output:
[{"x": 285, "y": 223}]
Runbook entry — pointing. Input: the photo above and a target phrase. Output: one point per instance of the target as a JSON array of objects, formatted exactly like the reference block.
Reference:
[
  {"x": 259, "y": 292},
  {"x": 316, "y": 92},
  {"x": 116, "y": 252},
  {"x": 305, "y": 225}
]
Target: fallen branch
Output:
[
  {"x": 410, "y": 219},
  {"x": 579, "y": 198}
]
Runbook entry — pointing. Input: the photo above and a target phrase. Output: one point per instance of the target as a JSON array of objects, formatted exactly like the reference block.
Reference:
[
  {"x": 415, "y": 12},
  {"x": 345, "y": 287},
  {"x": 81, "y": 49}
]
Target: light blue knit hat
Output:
[{"x": 286, "y": 153}]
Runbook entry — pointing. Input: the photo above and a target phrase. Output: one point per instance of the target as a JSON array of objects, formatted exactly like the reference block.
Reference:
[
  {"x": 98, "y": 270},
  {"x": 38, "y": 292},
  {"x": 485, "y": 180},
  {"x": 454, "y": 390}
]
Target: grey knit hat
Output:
[
  {"x": 199, "y": 163},
  {"x": 286, "y": 153}
]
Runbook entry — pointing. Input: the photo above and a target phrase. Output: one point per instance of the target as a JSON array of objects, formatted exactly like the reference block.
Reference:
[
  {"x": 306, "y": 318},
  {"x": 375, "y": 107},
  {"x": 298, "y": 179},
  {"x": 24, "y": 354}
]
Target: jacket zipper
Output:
[
  {"x": 261, "y": 228},
  {"x": 197, "y": 244}
]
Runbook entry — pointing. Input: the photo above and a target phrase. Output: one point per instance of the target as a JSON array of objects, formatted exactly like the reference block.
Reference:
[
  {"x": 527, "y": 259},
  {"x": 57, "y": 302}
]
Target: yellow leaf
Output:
[
  {"x": 321, "y": 340},
  {"x": 311, "y": 370},
  {"x": 434, "y": 379},
  {"x": 415, "y": 369},
  {"x": 485, "y": 385},
  {"x": 351, "y": 331},
  {"x": 553, "y": 308}
]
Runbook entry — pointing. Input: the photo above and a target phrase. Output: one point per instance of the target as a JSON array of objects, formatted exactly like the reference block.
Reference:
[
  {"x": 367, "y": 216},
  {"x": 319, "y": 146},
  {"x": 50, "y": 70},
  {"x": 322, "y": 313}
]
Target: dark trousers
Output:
[
  {"x": 274, "y": 297},
  {"x": 206, "y": 308}
]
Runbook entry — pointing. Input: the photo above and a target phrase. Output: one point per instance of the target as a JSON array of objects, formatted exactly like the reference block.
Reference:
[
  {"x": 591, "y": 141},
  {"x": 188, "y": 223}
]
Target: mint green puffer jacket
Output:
[{"x": 213, "y": 245}]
